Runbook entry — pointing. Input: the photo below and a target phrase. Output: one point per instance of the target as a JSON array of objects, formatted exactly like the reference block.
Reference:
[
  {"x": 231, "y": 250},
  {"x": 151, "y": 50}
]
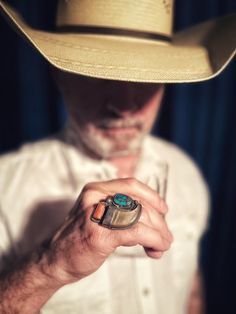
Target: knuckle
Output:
[
  {"x": 89, "y": 186},
  {"x": 101, "y": 242},
  {"x": 166, "y": 245},
  {"x": 87, "y": 193},
  {"x": 136, "y": 231},
  {"x": 163, "y": 206},
  {"x": 131, "y": 182},
  {"x": 161, "y": 224},
  {"x": 85, "y": 197},
  {"x": 164, "y": 226},
  {"x": 94, "y": 240}
]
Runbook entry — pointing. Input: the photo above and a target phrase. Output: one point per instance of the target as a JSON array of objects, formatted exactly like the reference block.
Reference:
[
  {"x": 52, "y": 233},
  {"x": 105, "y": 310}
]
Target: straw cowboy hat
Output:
[{"x": 130, "y": 40}]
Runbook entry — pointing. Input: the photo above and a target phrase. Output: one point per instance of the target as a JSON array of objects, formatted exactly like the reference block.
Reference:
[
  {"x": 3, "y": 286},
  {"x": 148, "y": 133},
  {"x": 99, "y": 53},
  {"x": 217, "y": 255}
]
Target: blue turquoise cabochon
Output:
[{"x": 122, "y": 200}]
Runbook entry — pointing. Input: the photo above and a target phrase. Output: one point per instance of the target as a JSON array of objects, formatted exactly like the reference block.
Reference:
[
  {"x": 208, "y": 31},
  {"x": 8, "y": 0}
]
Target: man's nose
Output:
[{"x": 122, "y": 98}]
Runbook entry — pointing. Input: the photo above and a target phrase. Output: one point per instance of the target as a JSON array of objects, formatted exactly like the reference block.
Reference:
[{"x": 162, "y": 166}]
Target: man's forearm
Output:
[{"x": 27, "y": 287}]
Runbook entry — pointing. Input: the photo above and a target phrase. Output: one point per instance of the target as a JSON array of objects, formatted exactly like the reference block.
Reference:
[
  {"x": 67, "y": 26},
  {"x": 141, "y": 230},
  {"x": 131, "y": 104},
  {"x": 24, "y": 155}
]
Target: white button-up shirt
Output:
[{"x": 38, "y": 186}]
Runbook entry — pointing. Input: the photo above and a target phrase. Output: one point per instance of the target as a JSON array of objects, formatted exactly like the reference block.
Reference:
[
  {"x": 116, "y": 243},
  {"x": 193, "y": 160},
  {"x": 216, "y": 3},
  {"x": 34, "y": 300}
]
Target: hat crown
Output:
[{"x": 153, "y": 16}]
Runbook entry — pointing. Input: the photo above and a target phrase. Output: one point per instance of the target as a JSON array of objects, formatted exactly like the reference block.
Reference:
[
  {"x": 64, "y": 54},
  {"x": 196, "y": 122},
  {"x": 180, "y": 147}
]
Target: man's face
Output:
[{"x": 110, "y": 118}]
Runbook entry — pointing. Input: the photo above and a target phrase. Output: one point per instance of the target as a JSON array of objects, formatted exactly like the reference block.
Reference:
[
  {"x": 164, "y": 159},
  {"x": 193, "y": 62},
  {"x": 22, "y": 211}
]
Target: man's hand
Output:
[{"x": 80, "y": 246}]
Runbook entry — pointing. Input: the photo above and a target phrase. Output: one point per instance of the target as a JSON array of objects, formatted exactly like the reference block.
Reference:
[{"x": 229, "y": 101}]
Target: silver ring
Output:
[{"x": 117, "y": 212}]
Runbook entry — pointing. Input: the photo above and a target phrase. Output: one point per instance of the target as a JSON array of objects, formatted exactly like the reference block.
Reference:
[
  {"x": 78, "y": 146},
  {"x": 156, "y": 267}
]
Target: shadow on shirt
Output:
[{"x": 46, "y": 217}]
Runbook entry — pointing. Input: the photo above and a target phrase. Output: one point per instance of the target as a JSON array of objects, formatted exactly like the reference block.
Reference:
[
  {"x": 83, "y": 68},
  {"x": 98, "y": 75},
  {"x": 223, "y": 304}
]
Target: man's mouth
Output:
[
  {"x": 119, "y": 124},
  {"x": 117, "y": 129},
  {"x": 127, "y": 132}
]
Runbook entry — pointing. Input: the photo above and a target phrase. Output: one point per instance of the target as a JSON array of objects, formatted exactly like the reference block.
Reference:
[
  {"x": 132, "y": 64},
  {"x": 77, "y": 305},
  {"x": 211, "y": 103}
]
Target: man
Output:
[{"x": 73, "y": 259}]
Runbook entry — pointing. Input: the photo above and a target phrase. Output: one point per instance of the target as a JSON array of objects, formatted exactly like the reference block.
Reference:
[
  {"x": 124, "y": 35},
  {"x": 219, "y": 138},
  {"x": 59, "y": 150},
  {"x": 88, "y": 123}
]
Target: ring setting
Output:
[{"x": 117, "y": 212}]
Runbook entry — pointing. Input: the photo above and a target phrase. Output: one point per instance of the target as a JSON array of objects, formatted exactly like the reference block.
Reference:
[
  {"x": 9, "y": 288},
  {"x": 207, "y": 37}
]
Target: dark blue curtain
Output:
[{"x": 199, "y": 117}]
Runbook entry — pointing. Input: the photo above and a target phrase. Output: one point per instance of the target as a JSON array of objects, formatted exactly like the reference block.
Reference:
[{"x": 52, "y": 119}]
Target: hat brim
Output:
[{"x": 196, "y": 54}]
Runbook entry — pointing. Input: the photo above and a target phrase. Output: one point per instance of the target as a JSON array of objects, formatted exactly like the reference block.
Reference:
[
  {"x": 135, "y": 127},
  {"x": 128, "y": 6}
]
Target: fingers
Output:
[
  {"x": 129, "y": 186},
  {"x": 144, "y": 235},
  {"x": 151, "y": 217},
  {"x": 81, "y": 245},
  {"x": 153, "y": 254},
  {"x": 151, "y": 231}
]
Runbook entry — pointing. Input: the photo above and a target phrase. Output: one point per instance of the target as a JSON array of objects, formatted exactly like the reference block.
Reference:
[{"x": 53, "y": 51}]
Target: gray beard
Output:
[{"x": 93, "y": 142}]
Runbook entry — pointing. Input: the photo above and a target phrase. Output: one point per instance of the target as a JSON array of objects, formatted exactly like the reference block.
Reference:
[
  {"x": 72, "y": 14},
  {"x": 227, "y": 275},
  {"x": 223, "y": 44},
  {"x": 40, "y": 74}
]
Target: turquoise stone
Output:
[{"x": 122, "y": 200}]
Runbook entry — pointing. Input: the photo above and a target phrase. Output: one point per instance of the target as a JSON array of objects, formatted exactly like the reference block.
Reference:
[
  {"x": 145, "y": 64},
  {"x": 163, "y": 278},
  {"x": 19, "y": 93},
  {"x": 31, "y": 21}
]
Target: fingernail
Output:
[{"x": 159, "y": 255}]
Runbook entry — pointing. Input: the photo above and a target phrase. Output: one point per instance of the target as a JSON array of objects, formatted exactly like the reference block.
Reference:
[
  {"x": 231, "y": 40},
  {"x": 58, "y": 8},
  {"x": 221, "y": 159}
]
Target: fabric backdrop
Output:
[{"x": 199, "y": 117}]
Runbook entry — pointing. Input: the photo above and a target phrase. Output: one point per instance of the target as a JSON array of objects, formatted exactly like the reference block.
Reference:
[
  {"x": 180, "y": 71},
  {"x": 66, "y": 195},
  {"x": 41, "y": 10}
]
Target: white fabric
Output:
[{"x": 40, "y": 182}]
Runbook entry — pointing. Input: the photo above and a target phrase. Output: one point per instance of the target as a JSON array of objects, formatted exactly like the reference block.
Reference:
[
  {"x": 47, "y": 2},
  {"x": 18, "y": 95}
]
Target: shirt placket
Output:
[{"x": 145, "y": 288}]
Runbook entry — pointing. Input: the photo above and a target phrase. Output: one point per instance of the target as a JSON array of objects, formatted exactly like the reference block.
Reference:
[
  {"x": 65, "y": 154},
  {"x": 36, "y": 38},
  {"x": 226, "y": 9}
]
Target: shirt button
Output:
[
  {"x": 192, "y": 216},
  {"x": 190, "y": 235},
  {"x": 146, "y": 292}
]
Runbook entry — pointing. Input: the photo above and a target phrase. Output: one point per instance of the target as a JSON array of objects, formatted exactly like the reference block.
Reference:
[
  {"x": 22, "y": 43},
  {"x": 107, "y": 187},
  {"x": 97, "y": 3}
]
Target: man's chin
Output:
[
  {"x": 102, "y": 146},
  {"x": 119, "y": 150},
  {"x": 106, "y": 148},
  {"x": 120, "y": 153}
]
